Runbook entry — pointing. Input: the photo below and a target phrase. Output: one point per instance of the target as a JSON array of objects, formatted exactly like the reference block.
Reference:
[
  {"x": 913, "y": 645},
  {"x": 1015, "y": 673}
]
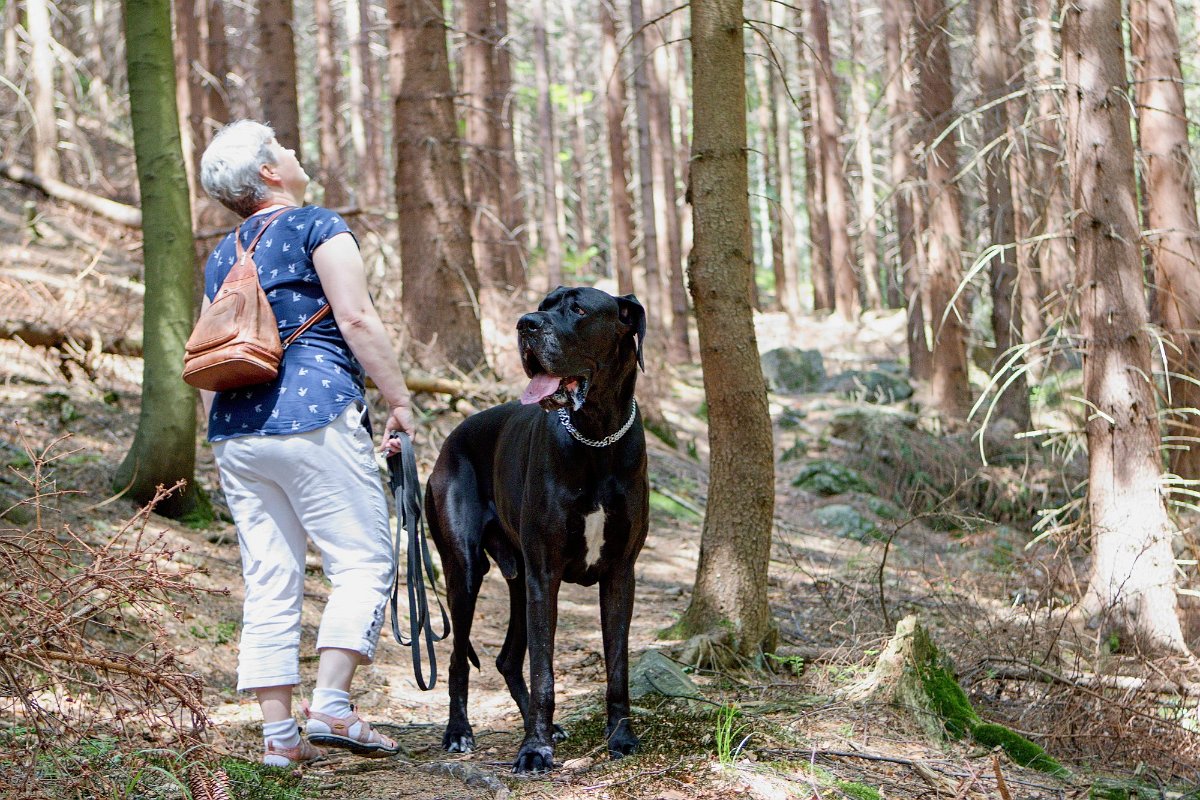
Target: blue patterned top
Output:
[{"x": 319, "y": 376}]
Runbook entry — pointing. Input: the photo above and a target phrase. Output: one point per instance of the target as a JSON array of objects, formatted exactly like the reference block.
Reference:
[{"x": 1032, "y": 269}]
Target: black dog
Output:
[{"x": 552, "y": 488}]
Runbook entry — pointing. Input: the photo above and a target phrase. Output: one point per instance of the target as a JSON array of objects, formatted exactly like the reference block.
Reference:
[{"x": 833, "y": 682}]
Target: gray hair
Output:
[{"x": 230, "y": 164}]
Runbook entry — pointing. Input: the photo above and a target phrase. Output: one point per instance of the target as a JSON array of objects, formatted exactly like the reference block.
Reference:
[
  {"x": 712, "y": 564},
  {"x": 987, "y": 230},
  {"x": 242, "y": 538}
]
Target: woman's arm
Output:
[{"x": 344, "y": 281}]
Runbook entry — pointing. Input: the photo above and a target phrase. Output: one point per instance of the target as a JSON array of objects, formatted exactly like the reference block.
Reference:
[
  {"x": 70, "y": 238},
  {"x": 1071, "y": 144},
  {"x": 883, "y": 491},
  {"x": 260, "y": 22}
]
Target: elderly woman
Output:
[{"x": 295, "y": 455}]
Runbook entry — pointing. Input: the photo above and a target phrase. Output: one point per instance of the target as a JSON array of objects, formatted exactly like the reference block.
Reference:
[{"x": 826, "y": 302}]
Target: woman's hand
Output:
[{"x": 399, "y": 420}]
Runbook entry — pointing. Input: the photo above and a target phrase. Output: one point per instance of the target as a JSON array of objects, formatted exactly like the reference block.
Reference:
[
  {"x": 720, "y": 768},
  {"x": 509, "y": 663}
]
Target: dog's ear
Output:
[{"x": 631, "y": 313}]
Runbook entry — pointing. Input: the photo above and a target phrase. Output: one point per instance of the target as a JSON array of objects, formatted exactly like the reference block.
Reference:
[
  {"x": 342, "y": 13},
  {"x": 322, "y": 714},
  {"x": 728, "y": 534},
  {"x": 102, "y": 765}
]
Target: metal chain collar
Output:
[{"x": 565, "y": 417}]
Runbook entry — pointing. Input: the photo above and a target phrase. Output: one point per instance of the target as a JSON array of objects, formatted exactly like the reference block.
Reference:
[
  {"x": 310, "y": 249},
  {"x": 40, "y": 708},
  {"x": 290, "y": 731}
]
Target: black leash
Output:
[{"x": 406, "y": 489}]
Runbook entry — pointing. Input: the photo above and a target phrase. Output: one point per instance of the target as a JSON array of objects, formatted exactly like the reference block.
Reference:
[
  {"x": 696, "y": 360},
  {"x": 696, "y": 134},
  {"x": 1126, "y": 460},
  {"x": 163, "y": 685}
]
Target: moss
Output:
[
  {"x": 665, "y": 505},
  {"x": 948, "y": 700},
  {"x": 1018, "y": 748},
  {"x": 201, "y": 515},
  {"x": 663, "y": 431},
  {"x": 859, "y": 791}
]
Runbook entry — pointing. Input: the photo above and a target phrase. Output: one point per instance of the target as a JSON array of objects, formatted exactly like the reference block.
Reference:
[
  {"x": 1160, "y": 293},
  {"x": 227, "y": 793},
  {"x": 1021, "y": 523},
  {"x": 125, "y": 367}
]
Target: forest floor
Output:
[{"x": 967, "y": 562}]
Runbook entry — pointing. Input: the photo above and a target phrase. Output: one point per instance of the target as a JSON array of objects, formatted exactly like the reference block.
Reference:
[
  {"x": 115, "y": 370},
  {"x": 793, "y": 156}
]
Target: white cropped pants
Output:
[{"x": 322, "y": 484}]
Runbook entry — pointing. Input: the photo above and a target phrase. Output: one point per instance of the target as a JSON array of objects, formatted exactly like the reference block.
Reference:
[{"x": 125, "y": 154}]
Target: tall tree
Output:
[
  {"x": 513, "y": 206},
  {"x": 1174, "y": 237},
  {"x": 187, "y": 88},
  {"x": 993, "y": 43},
  {"x": 549, "y": 234},
  {"x": 821, "y": 260},
  {"x": 277, "y": 71},
  {"x": 440, "y": 282},
  {"x": 841, "y": 252},
  {"x": 41, "y": 82},
  {"x": 1133, "y": 567},
  {"x": 951, "y": 394},
  {"x": 898, "y": 94},
  {"x": 365, "y": 137},
  {"x": 164, "y": 447},
  {"x": 787, "y": 277},
  {"x": 861, "y": 106},
  {"x": 329, "y": 116},
  {"x": 578, "y": 123},
  {"x": 651, "y": 258},
  {"x": 216, "y": 61},
  {"x": 730, "y": 593},
  {"x": 620, "y": 209}
]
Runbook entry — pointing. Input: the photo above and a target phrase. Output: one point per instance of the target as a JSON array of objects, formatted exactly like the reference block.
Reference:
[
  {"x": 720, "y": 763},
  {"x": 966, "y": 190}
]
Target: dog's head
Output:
[{"x": 577, "y": 337}]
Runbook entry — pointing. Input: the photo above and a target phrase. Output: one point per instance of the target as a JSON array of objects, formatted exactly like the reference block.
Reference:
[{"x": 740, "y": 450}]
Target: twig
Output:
[
  {"x": 1000, "y": 785},
  {"x": 1017, "y": 669}
]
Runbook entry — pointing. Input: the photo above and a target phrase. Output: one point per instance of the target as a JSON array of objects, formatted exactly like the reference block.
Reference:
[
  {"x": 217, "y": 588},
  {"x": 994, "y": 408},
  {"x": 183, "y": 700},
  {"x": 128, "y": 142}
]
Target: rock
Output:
[
  {"x": 846, "y": 522},
  {"x": 871, "y": 386},
  {"x": 861, "y": 423},
  {"x": 788, "y": 369},
  {"x": 654, "y": 673},
  {"x": 828, "y": 478}
]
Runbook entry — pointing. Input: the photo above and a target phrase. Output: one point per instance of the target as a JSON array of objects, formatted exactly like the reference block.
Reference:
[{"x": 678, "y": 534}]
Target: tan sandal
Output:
[
  {"x": 303, "y": 753},
  {"x": 329, "y": 731}
]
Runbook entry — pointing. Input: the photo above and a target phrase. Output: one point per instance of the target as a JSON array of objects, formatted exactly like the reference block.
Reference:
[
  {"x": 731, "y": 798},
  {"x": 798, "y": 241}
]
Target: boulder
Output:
[
  {"x": 871, "y": 386},
  {"x": 788, "y": 369},
  {"x": 828, "y": 478},
  {"x": 847, "y": 522}
]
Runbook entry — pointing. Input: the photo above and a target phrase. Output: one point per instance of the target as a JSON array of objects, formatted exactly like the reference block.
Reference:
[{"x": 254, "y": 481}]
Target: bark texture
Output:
[
  {"x": 951, "y": 394},
  {"x": 1133, "y": 569},
  {"x": 164, "y": 447},
  {"x": 1174, "y": 235},
  {"x": 620, "y": 207},
  {"x": 277, "y": 71},
  {"x": 550, "y": 236},
  {"x": 441, "y": 288},
  {"x": 329, "y": 117},
  {"x": 993, "y": 43},
  {"x": 731, "y": 580}
]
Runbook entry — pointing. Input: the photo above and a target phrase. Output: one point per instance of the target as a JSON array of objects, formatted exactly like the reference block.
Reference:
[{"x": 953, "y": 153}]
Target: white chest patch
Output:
[{"x": 593, "y": 534}]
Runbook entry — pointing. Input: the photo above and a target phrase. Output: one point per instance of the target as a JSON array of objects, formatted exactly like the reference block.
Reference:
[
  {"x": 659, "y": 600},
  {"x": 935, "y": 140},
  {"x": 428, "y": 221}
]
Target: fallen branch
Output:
[
  {"x": 109, "y": 209},
  {"x": 39, "y": 334},
  {"x": 1015, "y": 669}
]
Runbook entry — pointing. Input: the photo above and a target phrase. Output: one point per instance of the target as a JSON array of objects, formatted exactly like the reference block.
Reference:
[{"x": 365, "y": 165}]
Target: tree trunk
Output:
[
  {"x": 369, "y": 161},
  {"x": 841, "y": 252},
  {"x": 620, "y": 209},
  {"x": 766, "y": 177},
  {"x": 898, "y": 93},
  {"x": 510, "y": 179},
  {"x": 549, "y": 235},
  {"x": 277, "y": 71},
  {"x": 867, "y": 240},
  {"x": 441, "y": 287},
  {"x": 650, "y": 247},
  {"x": 329, "y": 117},
  {"x": 41, "y": 89},
  {"x": 187, "y": 89},
  {"x": 216, "y": 60},
  {"x": 164, "y": 447},
  {"x": 730, "y": 594},
  {"x": 951, "y": 394},
  {"x": 11, "y": 20},
  {"x": 476, "y": 85},
  {"x": 787, "y": 277},
  {"x": 1174, "y": 238},
  {"x": 814, "y": 183},
  {"x": 584, "y": 235},
  {"x": 1133, "y": 567},
  {"x": 663, "y": 139},
  {"x": 992, "y": 45}
]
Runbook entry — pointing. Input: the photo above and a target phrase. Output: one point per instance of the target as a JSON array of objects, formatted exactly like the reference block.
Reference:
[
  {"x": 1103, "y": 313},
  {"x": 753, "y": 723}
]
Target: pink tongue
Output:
[{"x": 541, "y": 387}]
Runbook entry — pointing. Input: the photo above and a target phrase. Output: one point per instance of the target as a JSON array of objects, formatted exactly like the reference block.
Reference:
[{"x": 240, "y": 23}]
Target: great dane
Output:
[{"x": 551, "y": 488}]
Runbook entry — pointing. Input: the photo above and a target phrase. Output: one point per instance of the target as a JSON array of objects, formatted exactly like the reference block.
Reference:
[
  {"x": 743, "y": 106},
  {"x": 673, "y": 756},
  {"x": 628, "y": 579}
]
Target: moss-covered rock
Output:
[
  {"x": 787, "y": 369},
  {"x": 1018, "y": 748},
  {"x": 827, "y": 478},
  {"x": 847, "y": 522}
]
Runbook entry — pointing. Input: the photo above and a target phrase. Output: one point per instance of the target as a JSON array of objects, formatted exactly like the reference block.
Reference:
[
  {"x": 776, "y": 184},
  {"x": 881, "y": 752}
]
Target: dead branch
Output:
[
  {"x": 109, "y": 209},
  {"x": 41, "y": 334},
  {"x": 1014, "y": 669}
]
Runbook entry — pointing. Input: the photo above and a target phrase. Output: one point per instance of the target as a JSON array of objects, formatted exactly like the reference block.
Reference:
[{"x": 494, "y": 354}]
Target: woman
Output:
[{"x": 295, "y": 455}]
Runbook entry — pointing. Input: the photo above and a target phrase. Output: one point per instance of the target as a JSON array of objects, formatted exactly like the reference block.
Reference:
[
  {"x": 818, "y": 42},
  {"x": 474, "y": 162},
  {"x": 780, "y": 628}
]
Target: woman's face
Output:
[{"x": 289, "y": 171}]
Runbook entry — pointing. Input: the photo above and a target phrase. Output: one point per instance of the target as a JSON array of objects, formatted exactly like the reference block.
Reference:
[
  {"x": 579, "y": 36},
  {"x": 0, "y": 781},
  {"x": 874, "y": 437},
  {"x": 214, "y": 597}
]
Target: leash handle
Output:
[{"x": 405, "y": 486}]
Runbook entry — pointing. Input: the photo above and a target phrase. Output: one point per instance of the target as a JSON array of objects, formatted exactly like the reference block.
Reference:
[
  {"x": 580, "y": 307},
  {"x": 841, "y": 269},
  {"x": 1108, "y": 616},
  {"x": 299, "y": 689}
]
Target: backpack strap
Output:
[{"x": 244, "y": 253}]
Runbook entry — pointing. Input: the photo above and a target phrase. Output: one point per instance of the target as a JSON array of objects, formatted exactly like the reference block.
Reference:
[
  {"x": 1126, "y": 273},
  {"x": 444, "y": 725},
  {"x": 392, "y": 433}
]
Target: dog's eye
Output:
[{"x": 580, "y": 310}]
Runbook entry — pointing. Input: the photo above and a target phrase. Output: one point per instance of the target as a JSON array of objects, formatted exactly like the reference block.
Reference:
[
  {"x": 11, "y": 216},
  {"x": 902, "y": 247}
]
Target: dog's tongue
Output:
[{"x": 541, "y": 387}]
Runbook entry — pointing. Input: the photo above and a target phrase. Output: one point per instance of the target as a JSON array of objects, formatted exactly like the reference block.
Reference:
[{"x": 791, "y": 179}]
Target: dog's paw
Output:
[
  {"x": 534, "y": 757},
  {"x": 622, "y": 742},
  {"x": 560, "y": 733},
  {"x": 458, "y": 740}
]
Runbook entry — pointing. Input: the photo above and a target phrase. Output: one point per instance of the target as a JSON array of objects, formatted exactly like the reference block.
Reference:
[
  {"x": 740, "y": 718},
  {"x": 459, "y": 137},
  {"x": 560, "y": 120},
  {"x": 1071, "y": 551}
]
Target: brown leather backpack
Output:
[{"x": 236, "y": 339}]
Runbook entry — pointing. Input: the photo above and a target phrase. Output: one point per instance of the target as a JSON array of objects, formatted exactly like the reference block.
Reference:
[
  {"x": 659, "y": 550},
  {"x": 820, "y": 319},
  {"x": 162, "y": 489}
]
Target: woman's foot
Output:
[
  {"x": 276, "y": 755},
  {"x": 349, "y": 732}
]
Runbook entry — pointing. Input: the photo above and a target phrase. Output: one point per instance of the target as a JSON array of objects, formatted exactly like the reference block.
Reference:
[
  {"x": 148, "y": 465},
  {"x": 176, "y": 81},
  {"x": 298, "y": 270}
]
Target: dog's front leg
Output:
[
  {"x": 537, "y": 751},
  {"x": 616, "y": 611}
]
